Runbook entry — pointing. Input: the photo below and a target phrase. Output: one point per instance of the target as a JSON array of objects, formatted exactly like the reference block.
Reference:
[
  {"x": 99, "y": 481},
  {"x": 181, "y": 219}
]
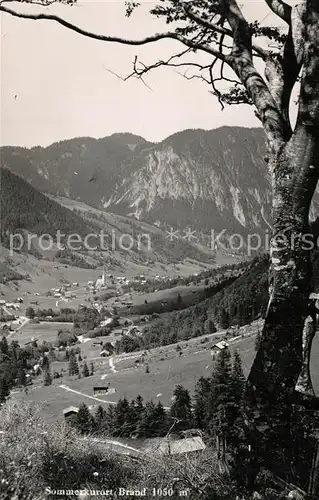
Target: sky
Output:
[{"x": 56, "y": 84}]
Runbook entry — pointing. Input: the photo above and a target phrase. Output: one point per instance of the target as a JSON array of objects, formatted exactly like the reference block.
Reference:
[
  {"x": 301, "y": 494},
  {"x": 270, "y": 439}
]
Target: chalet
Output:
[
  {"x": 100, "y": 390},
  {"x": 173, "y": 446},
  {"x": 220, "y": 346},
  {"x": 70, "y": 411}
]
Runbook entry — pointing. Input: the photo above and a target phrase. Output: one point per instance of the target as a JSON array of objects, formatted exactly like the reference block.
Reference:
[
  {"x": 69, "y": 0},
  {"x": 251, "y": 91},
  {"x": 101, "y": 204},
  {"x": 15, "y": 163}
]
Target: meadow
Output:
[
  {"x": 39, "y": 331},
  {"x": 167, "y": 368}
]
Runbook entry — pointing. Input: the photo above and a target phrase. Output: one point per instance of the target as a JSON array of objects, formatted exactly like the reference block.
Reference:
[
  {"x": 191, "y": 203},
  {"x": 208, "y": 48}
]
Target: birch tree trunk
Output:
[{"x": 294, "y": 169}]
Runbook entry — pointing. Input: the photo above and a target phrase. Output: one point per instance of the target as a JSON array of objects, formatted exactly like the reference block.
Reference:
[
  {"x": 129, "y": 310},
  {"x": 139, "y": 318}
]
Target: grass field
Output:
[
  {"x": 54, "y": 400},
  {"x": 166, "y": 369},
  {"x": 41, "y": 331}
]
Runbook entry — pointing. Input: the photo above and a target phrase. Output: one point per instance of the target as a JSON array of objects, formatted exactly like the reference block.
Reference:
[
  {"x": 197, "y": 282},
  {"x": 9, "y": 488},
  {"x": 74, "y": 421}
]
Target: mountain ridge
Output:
[{"x": 203, "y": 179}]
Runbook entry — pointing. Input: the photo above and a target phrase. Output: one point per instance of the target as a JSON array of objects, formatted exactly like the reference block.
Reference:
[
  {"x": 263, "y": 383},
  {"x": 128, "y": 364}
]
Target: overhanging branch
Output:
[{"x": 113, "y": 39}]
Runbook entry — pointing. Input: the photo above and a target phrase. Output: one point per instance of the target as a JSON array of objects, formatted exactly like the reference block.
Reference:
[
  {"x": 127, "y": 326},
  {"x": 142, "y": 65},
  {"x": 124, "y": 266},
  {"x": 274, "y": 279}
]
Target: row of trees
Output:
[{"x": 124, "y": 419}]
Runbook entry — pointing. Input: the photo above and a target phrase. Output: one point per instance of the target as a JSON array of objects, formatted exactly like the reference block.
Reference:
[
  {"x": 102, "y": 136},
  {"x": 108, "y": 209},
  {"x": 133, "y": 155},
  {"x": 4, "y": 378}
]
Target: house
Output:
[
  {"x": 70, "y": 411},
  {"x": 174, "y": 446},
  {"x": 220, "y": 346},
  {"x": 100, "y": 390},
  {"x": 107, "y": 321}
]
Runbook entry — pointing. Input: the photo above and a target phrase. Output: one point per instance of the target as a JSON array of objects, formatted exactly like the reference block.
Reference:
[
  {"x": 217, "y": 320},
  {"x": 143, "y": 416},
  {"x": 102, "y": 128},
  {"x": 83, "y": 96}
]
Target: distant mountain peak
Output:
[{"x": 205, "y": 179}]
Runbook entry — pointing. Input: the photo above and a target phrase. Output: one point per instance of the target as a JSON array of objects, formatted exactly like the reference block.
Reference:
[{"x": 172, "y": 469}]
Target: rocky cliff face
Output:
[
  {"x": 199, "y": 179},
  {"x": 208, "y": 180}
]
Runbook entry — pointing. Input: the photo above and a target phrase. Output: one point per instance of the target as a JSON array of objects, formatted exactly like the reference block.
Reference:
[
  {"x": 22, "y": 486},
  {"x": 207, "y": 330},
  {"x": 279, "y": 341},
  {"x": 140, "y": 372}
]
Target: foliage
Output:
[
  {"x": 34, "y": 456},
  {"x": 30, "y": 312},
  {"x": 86, "y": 319},
  {"x": 13, "y": 367},
  {"x": 47, "y": 379},
  {"x": 85, "y": 370},
  {"x": 7, "y": 273},
  {"x": 181, "y": 409},
  {"x": 73, "y": 364}
]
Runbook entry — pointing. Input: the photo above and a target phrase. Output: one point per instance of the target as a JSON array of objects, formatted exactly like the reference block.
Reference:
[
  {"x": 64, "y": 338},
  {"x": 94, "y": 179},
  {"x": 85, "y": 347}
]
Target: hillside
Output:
[
  {"x": 26, "y": 210},
  {"x": 234, "y": 301},
  {"x": 23, "y": 207}
]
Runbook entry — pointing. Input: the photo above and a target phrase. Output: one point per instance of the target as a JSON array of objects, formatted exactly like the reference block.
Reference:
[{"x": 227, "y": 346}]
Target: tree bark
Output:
[
  {"x": 278, "y": 362},
  {"x": 313, "y": 488},
  {"x": 304, "y": 382},
  {"x": 294, "y": 165}
]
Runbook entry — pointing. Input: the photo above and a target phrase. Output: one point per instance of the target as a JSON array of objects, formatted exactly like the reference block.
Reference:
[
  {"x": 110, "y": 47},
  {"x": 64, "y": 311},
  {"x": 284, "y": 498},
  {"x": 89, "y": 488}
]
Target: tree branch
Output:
[
  {"x": 282, "y": 69},
  {"x": 139, "y": 72},
  {"x": 219, "y": 29},
  {"x": 105, "y": 38},
  {"x": 281, "y": 9},
  {"x": 242, "y": 34}
]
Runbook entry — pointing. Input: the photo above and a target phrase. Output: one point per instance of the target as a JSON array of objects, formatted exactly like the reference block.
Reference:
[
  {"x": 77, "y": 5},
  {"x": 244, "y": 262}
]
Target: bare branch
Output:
[
  {"x": 139, "y": 72},
  {"x": 105, "y": 38}
]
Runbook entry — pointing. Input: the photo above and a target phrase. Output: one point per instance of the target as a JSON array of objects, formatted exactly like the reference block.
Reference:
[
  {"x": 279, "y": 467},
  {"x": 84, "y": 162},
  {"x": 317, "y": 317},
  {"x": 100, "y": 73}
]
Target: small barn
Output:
[
  {"x": 220, "y": 346},
  {"x": 70, "y": 411},
  {"x": 100, "y": 390}
]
